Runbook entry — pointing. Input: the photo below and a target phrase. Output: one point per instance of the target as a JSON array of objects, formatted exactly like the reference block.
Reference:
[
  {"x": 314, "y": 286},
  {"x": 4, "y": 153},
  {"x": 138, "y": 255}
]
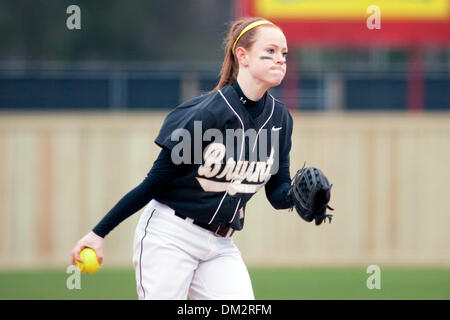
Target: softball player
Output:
[{"x": 183, "y": 242}]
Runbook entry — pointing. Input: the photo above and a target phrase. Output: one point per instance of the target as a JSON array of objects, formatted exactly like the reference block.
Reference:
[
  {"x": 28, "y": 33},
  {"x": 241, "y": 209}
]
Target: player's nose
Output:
[{"x": 280, "y": 60}]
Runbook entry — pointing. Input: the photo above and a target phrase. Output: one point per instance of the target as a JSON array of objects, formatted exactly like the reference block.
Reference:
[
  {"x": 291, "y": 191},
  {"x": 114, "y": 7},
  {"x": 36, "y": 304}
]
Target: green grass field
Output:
[{"x": 268, "y": 283}]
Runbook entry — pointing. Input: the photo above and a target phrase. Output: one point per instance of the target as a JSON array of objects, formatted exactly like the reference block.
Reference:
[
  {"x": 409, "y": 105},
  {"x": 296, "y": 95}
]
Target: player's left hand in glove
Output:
[{"x": 310, "y": 194}]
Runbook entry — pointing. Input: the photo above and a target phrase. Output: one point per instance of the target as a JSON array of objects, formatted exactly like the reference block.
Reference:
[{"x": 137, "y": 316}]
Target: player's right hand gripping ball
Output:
[
  {"x": 90, "y": 262},
  {"x": 310, "y": 194}
]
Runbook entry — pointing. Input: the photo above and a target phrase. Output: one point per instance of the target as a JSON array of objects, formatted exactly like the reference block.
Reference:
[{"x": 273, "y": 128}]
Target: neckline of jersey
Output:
[
  {"x": 261, "y": 119},
  {"x": 248, "y": 103},
  {"x": 262, "y": 116}
]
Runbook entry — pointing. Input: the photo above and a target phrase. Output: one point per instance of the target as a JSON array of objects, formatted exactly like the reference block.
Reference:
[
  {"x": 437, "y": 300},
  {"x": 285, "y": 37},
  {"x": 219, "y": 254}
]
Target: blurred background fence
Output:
[
  {"x": 60, "y": 174},
  {"x": 79, "y": 110},
  {"x": 56, "y": 86}
]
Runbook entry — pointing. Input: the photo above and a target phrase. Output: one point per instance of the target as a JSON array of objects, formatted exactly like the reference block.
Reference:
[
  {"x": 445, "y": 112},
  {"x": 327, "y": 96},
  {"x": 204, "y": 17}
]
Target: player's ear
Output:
[{"x": 241, "y": 56}]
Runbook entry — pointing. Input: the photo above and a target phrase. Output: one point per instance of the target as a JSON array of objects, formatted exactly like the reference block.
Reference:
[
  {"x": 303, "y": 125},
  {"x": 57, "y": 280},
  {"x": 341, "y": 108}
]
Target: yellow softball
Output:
[{"x": 90, "y": 262}]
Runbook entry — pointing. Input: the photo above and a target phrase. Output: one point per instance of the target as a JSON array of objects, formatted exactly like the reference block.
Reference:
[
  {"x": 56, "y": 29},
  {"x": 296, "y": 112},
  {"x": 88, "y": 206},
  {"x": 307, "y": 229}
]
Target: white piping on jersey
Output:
[
  {"x": 240, "y": 156},
  {"x": 236, "y": 210},
  {"x": 242, "y": 147},
  {"x": 271, "y": 113}
]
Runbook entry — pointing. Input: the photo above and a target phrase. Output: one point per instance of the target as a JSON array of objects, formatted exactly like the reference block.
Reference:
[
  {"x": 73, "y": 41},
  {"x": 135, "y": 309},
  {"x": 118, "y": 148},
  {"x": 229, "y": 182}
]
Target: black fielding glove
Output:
[{"x": 309, "y": 194}]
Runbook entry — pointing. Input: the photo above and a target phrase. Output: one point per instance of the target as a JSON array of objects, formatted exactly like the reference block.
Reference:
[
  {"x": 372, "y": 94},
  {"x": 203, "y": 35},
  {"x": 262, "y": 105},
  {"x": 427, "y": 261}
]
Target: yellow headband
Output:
[{"x": 250, "y": 26}]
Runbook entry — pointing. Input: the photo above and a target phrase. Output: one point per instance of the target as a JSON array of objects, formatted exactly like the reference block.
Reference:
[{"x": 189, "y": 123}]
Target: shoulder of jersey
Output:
[
  {"x": 210, "y": 106},
  {"x": 279, "y": 103},
  {"x": 200, "y": 102},
  {"x": 209, "y": 102},
  {"x": 280, "y": 107}
]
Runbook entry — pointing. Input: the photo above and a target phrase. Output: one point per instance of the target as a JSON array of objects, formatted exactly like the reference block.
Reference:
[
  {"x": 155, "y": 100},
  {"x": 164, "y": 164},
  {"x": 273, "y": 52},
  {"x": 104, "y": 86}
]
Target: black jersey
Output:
[{"x": 231, "y": 154}]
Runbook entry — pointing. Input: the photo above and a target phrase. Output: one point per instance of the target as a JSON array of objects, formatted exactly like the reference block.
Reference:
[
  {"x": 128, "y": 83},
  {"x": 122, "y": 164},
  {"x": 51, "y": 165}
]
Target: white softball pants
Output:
[{"x": 174, "y": 259}]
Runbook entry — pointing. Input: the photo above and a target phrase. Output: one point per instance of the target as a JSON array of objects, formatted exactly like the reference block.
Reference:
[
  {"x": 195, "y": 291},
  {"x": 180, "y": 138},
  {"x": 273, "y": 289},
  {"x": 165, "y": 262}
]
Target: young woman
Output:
[{"x": 196, "y": 192}]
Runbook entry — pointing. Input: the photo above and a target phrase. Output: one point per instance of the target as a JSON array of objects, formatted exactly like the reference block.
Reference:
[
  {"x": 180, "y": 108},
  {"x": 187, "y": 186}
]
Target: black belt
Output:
[{"x": 217, "y": 230}]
